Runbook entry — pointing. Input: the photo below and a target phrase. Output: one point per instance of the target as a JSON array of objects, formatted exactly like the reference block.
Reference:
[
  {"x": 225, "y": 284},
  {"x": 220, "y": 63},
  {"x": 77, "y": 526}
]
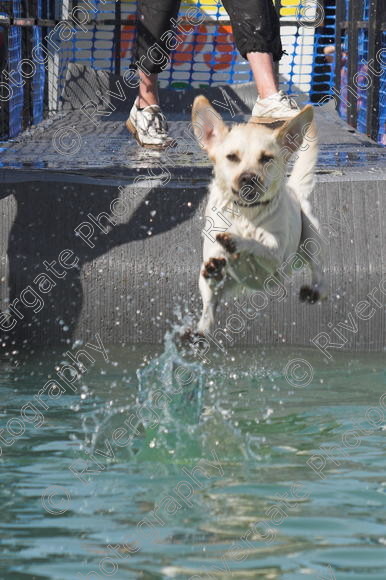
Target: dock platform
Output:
[{"x": 131, "y": 277}]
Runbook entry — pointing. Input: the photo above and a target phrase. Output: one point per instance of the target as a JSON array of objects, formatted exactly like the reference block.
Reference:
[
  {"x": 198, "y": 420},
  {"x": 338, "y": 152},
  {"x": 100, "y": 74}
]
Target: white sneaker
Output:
[
  {"x": 149, "y": 127},
  {"x": 277, "y": 106}
]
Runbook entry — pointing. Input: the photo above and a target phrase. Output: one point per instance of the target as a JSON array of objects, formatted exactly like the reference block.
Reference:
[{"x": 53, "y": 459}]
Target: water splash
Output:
[
  {"x": 180, "y": 380},
  {"x": 170, "y": 391},
  {"x": 163, "y": 421},
  {"x": 178, "y": 414}
]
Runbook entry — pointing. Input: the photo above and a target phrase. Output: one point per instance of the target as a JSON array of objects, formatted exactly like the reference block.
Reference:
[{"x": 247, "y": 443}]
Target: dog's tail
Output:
[{"x": 302, "y": 178}]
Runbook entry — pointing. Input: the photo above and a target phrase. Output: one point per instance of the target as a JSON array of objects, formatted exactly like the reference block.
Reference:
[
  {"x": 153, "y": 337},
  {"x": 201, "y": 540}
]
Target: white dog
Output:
[{"x": 259, "y": 223}]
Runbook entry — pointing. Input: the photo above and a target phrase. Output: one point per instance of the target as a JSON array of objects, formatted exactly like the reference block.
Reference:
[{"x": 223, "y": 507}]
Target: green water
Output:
[{"x": 269, "y": 497}]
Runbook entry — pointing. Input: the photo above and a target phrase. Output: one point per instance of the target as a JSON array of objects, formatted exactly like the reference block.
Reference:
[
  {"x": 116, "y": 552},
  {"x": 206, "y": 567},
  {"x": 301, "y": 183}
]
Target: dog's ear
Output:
[
  {"x": 291, "y": 135},
  {"x": 208, "y": 126}
]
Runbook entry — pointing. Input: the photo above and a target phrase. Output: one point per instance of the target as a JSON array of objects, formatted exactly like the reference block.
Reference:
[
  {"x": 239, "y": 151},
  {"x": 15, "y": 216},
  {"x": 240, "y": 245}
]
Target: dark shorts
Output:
[{"x": 255, "y": 25}]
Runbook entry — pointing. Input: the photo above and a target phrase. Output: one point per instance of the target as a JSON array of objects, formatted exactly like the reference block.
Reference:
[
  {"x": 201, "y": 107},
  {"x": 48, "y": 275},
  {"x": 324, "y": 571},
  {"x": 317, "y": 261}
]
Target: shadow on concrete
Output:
[
  {"x": 44, "y": 226},
  {"x": 149, "y": 261}
]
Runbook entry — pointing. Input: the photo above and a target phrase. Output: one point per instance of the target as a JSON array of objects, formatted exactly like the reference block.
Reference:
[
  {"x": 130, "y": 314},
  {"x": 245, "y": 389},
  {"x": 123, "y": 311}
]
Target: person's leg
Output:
[
  {"x": 154, "y": 19},
  {"x": 146, "y": 121},
  {"x": 256, "y": 29},
  {"x": 147, "y": 90},
  {"x": 264, "y": 73}
]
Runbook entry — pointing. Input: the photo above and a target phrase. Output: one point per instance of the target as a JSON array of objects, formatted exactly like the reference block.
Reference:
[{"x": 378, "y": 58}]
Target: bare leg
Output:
[
  {"x": 264, "y": 73},
  {"x": 148, "y": 90}
]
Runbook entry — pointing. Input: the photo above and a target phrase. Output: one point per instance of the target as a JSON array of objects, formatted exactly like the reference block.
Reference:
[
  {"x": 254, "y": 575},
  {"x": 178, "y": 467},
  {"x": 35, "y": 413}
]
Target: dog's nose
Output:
[{"x": 247, "y": 178}]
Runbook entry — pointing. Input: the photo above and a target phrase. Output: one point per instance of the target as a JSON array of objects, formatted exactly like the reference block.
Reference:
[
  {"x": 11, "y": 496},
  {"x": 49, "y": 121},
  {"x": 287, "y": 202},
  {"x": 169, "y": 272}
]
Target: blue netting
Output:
[
  {"x": 363, "y": 79},
  {"x": 207, "y": 56},
  {"x": 16, "y": 102},
  {"x": 323, "y": 60},
  {"x": 39, "y": 79}
]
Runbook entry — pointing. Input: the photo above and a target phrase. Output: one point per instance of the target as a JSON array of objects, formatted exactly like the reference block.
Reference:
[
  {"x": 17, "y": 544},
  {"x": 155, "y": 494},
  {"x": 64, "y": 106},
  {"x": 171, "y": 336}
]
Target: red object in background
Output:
[
  {"x": 223, "y": 44},
  {"x": 193, "y": 44},
  {"x": 219, "y": 58}
]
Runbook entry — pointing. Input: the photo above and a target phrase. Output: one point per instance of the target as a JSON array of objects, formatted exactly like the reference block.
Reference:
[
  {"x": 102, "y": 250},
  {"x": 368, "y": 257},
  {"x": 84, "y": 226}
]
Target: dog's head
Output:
[{"x": 249, "y": 159}]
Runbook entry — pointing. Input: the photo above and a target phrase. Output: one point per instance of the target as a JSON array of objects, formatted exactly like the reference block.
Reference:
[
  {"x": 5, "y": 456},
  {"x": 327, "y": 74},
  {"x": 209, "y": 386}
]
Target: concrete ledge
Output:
[{"x": 128, "y": 286}]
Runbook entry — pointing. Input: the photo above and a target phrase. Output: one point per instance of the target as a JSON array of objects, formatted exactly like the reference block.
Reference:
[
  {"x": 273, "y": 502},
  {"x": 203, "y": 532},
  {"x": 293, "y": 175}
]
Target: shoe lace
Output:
[
  {"x": 288, "y": 100},
  {"x": 157, "y": 121}
]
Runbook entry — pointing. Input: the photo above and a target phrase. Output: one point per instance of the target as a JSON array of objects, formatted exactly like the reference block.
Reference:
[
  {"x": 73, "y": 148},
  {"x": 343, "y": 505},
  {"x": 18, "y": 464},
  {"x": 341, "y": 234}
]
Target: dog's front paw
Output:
[
  {"x": 192, "y": 338},
  {"x": 227, "y": 242},
  {"x": 310, "y": 295},
  {"x": 213, "y": 268}
]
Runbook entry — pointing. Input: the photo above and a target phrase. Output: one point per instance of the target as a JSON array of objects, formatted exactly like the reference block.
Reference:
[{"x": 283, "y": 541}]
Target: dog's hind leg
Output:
[
  {"x": 210, "y": 298},
  {"x": 311, "y": 248},
  {"x": 211, "y": 284}
]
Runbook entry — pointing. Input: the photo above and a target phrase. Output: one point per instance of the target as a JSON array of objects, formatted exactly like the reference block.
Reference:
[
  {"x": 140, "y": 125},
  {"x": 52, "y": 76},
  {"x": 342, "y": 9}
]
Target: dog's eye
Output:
[
  {"x": 233, "y": 157},
  {"x": 266, "y": 157}
]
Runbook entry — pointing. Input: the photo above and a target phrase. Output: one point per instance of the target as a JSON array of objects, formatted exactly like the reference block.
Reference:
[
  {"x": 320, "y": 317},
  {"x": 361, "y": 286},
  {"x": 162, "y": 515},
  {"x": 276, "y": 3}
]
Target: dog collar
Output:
[{"x": 254, "y": 204}]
